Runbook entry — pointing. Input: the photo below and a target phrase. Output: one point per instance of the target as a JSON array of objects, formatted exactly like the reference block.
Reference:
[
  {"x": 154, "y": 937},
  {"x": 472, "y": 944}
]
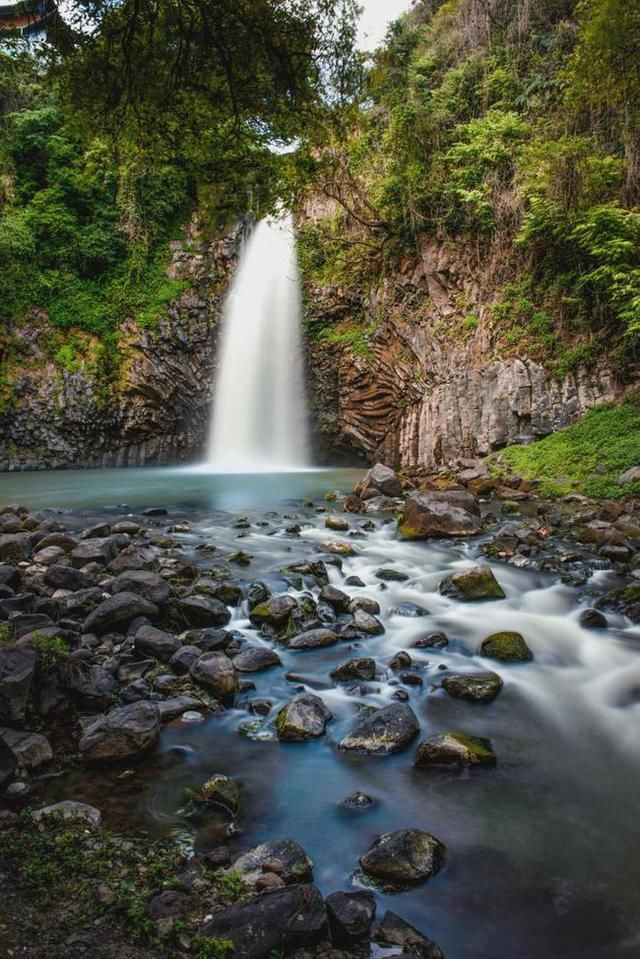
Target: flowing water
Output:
[
  {"x": 543, "y": 849},
  {"x": 259, "y": 417}
]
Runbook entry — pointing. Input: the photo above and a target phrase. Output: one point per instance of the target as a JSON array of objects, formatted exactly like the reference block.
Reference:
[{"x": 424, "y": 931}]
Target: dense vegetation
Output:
[
  {"x": 586, "y": 458},
  {"x": 512, "y": 130}
]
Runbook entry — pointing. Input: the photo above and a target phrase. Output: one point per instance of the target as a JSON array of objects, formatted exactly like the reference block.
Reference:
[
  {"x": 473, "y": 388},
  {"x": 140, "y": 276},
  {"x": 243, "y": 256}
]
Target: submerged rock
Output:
[
  {"x": 275, "y": 923},
  {"x": 506, "y": 647},
  {"x": 304, "y": 717},
  {"x": 366, "y": 624},
  {"x": 454, "y": 749},
  {"x": 472, "y": 585},
  {"x": 394, "y": 931},
  {"x": 474, "y": 687},
  {"x": 432, "y": 641},
  {"x": 69, "y": 809},
  {"x": 364, "y": 669},
  {"x": 404, "y": 856},
  {"x": 384, "y": 731},
  {"x": 440, "y": 513},
  {"x": 221, "y": 791},
  {"x": 124, "y": 732},
  {"x": 389, "y": 575}
]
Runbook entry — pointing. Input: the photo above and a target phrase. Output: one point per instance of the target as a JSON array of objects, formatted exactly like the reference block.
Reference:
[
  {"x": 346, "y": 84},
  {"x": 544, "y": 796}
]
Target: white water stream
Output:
[{"x": 259, "y": 420}]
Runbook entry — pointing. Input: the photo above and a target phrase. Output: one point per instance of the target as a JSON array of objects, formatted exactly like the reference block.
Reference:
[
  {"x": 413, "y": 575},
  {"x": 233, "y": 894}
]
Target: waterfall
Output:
[{"x": 259, "y": 419}]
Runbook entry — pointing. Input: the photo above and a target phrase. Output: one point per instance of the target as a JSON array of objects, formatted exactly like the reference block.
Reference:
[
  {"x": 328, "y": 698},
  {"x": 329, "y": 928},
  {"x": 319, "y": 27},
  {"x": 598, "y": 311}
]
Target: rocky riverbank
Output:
[{"x": 113, "y": 632}]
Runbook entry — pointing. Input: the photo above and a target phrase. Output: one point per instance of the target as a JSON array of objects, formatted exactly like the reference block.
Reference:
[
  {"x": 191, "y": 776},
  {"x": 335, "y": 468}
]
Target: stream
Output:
[{"x": 542, "y": 849}]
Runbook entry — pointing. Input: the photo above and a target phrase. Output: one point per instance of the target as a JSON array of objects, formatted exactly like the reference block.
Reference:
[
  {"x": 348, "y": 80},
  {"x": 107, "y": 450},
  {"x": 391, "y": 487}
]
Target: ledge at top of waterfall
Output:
[{"x": 259, "y": 420}]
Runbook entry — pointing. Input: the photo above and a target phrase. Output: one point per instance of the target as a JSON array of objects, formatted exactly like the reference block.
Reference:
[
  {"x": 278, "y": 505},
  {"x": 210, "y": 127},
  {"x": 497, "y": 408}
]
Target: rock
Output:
[
  {"x": 10, "y": 576},
  {"x": 14, "y": 547},
  {"x": 357, "y": 801},
  {"x": 177, "y": 706},
  {"x": 338, "y": 549},
  {"x": 385, "y": 731},
  {"x": 8, "y": 764},
  {"x": 150, "y": 641},
  {"x": 275, "y": 611},
  {"x": 401, "y": 660},
  {"x": 394, "y": 931},
  {"x": 304, "y": 717},
  {"x": 404, "y": 856},
  {"x": 296, "y": 865},
  {"x": 184, "y": 658},
  {"x": 30, "y": 749},
  {"x": 221, "y": 791},
  {"x": 143, "y": 583},
  {"x": 101, "y": 551},
  {"x": 170, "y": 903},
  {"x": 336, "y": 598},
  {"x": 409, "y": 610},
  {"x": 474, "y": 687},
  {"x": 268, "y": 881},
  {"x": 17, "y": 670},
  {"x": 440, "y": 513},
  {"x": 68, "y": 809},
  {"x": 506, "y": 647},
  {"x": 432, "y": 641},
  {"x": 216, "y": 672},
  {"x": 390, "y": 575},
  {"x": 366, "y": 624},
  {"x": 593, "y": 619},
  {"x": 133, "y": 557},
  {"x": 117, "y": 612},
  {"x": 625, "y": 600},
  {"x": 313, "y": 639},
  {"x": 80, "y": 604},
  {"x": 228, "y": 593},
  {"x": 471, "y": 585},
  {"x": 631, "y": 475},
  {"x": 371, "y": 606},
  {"x": 362, "y": 669},
  {"x": 379, "y": 479},
  {"x": 124, "y": 732},
  {"x": 350, "y": 916},
  {"x": 276, "y": 922},
  {"x": 337, "y": 523},
  {"x": 87, "y": 684},
  {"x": 198, "y": 611},
  {"x": 255, "y": 659},
  {"x": 66, "y": 577},
  {"x": 257, "y": 593},
  {"x": 454, "y": 749}
]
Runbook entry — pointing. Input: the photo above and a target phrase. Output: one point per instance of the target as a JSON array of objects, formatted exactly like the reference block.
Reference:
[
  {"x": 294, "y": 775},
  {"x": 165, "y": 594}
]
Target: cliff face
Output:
[
  {"x": 424, "y": 387},
  {"x": 417, "y": 387},
  {"x": 151, "y": 405}
]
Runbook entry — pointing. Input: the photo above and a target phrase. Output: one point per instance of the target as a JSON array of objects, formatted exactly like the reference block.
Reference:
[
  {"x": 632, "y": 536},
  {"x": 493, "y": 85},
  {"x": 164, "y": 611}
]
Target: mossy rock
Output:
[
  {"x": 472, "y": 585},
  {"x": 220, "y": 791},
  {"x": 454, "y": 750},
  {"x": 473, "y": 687},
  {"x": 507, "y": 647}
]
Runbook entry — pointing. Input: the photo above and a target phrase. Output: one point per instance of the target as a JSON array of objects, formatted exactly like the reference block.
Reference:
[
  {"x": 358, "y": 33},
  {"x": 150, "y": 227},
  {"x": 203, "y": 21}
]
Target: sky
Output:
[{"x": 376, "y": 17}]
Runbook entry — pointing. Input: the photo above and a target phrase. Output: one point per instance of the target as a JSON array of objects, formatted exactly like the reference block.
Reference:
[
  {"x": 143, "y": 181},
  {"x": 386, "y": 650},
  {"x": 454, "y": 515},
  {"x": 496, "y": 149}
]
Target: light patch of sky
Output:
[{"x": 376, "y": 17}]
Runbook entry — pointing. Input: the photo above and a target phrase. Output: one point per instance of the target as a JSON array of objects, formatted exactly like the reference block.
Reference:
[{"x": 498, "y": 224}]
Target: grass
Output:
[{"x": 586, "y": 458}]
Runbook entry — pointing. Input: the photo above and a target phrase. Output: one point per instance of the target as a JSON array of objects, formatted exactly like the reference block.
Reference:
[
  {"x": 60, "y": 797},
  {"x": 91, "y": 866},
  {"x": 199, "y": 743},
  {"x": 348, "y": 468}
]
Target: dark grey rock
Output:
[
  {"x": 123, "y": 733},
  {"x": 150, "y": 641},
  {"x": 350, "y": 916},
  {"x": 17, "y": 670},
  {"x": 404, "y": 856},
  {"x": 385, "y": 731},
  {"x": 143, "y": 583},
  {"x": 304, "y": 717},
  {"x": 217, "y": 673},
  {"x": 117, "y": 612},
  {"x": 256, "y": 658}
]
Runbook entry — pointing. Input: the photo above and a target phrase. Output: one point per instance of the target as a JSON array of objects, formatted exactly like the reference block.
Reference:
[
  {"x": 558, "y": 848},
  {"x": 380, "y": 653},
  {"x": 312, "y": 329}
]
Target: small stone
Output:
[
  {"x": 357, "y": 801},
  {"x": 221, "y": 791},
  {"x": 593, "y": 619},
  {"x": 337, "y": 523},
  {"x": 389, "y": 575},
  {"x": 355, "y": 669}
]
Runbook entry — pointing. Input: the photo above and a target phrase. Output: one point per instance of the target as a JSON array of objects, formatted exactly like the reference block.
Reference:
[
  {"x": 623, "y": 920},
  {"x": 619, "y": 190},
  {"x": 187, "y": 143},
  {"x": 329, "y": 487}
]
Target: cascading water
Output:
[{"x": 259, "y": 417}]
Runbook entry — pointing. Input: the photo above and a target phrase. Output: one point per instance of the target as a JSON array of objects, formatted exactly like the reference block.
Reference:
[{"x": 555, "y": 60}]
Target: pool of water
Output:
[{"x": 543, "y": 849}]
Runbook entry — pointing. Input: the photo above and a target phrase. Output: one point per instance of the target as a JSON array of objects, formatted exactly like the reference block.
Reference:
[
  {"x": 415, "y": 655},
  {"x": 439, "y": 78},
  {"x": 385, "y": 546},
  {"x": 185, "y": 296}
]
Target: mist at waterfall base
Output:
[{"x": 259, "y": 415}]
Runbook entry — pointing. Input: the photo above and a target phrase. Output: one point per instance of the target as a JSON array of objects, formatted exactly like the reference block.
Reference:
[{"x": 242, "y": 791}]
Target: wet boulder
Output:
[
  {"x": 216, "y": 672},
  {"x": 124, "y": 732},
  {"x": 150, "y": 641},
  {"x": 625, "y": 600},
  {"x": 228, "y": 593},
  {"x": 58, "y": 576},
  {"x": 506, "y": 647},
  {"x": 14, "y": 547},
  {"x": 384, "y": 731},
  {"x": 274, "y": 611},
  {"x": 117, "y": 612},
  {"x": 454, "y": 750},
  {"x": 380, "y": 479},
  {"x": 472, "y": 585},
  {"x": 350, "y": 915},
  {"x": 335, "y": 598},
  {"x": 404, "y": 856},
  {"x": 143, "y": 583},
  {"x": 473, "y": 687},
  {"x": 313, "y": 639},
  {"x": 366, "y": 603},
  {"x": 256, "y": 658},
  {"x": 440, "y": 513},
  {"x": 365, "y": 624},
  {"x": 294, "y": 864},
  {"x": 593, "y": 619},
  {"x": 100, "y": 550},
  {"x": 219, "y": 790},
  {"x": 274, "y": 923},
  {"x": 304, "y": 717},
  {"x": 338, "y": 524},
  {"x": 69, "y": 809},
  {"x": 359, "y": 669},
  {"x": 394, "y": 931},
  {"x": 201, "y": 611},
  {"x": 17, "y": 671}
]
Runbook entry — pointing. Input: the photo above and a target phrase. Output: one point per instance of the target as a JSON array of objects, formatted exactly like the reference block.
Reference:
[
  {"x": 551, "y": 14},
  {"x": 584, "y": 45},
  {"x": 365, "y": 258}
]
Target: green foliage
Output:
[
  {"x": 607, "y": 439},
  {"x": 229, "y": 886},
  {"x": 6, "y": 633},
  {"x": 52, "y": 651},
  {"x": 204, "y": 947},
  {"x": 357, "y": 338}
]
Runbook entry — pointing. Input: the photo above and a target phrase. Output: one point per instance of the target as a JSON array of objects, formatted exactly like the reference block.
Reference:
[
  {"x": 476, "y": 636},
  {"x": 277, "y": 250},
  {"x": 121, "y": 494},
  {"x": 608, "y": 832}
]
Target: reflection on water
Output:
[{"x": 542, "y": 849}]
